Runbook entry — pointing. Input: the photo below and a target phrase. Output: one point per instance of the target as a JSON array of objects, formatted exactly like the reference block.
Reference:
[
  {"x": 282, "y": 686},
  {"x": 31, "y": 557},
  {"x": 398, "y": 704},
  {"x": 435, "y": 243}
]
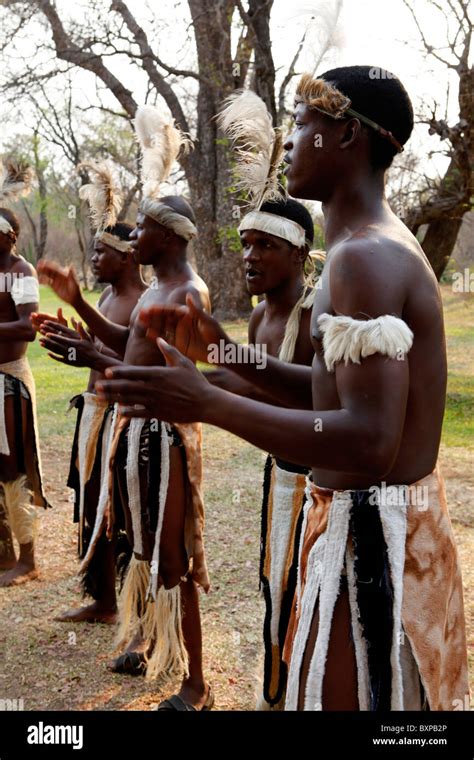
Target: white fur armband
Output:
[
  {"x": 350, "y": 340},
  {"x": 24, "y": 289}
]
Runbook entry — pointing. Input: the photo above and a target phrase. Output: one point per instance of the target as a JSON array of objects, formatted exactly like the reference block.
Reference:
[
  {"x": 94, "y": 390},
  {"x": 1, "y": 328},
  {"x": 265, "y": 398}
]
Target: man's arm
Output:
[
  {"x": 21, "y": 329},
  {"x": 65, "y": 284},
  {"x": 362, "y": 436},
  {"x": 230, "y": 381},
  {"x": 193, "y": 332},
  {"x": 24, "y": 293},
  {"x": 75, "y": 347}
]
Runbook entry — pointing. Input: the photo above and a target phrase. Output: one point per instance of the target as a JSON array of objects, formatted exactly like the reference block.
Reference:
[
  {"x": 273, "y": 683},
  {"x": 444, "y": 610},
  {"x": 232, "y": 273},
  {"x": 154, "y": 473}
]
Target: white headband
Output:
[
  {"x": 166, "y": 216},
  {"x": 284, "y": 228},
  {"x": 115, "y": 242},
  {"x": 5, "y": 225}
]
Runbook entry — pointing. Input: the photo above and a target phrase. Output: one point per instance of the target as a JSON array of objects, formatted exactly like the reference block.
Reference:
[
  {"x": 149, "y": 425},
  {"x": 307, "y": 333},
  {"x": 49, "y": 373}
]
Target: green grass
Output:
[
  {"x": 458, "y": 428},
  {"x": 56, "y": 384}
]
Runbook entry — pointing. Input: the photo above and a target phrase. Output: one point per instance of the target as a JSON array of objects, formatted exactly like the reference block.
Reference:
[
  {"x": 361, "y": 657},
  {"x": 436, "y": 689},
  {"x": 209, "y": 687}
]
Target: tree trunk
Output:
[
  {"x": 439, "y": 241},
  {"x": 40, "y": 243},
  {"x": 444, "y": 212},
  {"x": 217, "y": 249}
]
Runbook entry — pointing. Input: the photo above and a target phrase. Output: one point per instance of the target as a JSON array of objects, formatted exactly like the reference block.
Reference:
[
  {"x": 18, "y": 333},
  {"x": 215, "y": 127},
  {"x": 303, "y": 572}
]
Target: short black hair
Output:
[
  {"x": 293, "y": 210},
  {"x": 379, "y": 95},
  {"x": 121, "y": 230},
  {"x": 12, "y": 219}
]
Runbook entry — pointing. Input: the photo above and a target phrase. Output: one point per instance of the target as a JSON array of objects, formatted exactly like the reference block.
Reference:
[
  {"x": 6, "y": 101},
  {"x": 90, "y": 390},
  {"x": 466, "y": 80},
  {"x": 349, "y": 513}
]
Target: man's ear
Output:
[
  {"x": 351, "y": 133},
  {"x": 300, "y": 254}
]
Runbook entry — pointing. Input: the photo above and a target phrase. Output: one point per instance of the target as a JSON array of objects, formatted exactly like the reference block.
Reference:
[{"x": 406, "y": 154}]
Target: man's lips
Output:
[{"x": 252, "y": 273}]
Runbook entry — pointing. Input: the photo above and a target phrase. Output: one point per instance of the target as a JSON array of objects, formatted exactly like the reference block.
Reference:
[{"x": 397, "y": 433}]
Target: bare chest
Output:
[{"x": 140, "y": 349}]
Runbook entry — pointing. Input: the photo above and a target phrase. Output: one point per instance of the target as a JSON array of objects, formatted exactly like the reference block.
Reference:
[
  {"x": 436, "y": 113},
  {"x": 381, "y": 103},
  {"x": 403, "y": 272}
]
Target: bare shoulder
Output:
[
  {"x": 105, "y": 294},
  {"x": 371, "y": 274},
  {"x": 255, "y": 319},
  {"x": 23, "y": 267},
  {"x": 197, "y": 288}
]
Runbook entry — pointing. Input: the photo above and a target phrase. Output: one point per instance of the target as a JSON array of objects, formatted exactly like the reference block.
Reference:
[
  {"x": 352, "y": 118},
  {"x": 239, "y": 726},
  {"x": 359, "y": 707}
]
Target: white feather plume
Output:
[
  {"x": 258, "y": 147},
  {"x": 102, "y": 194},
  {"x": 16, "y": 179},
  {"x": 160, "y": 142}
]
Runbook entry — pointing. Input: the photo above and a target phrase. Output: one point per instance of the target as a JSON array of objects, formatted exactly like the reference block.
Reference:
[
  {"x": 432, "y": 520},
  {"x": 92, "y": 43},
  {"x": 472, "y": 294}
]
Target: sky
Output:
[{"x": 376, "y": 32}]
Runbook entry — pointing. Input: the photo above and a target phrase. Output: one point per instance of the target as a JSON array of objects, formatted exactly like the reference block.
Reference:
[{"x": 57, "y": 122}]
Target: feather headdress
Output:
[
  {"x": 16, "y": 180},
  {"x": 160, "y": 142},
  {"x": 258, "y": 147},
  {"x": 102, "y": 194}
]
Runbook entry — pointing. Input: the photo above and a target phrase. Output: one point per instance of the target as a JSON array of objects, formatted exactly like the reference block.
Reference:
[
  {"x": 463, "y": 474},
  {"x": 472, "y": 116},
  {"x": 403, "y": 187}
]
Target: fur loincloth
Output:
[
  {"x": 88, "y": 468},
  {"x": 20, "y": 378},
  {"x": 405, "y": 595},
  {"x": 136, "y": 489},
  {"x": 282, "y": 507}
]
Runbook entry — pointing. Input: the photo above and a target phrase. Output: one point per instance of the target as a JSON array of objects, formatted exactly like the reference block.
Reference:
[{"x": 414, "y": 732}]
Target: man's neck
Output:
[
  {"x": 280, "y": 301},
  {"x": 172, "y": 266},
  {"x": 354, "y": 205},
  {"x": 126, "y": 283},
  {"x": 5, "y": 259}
]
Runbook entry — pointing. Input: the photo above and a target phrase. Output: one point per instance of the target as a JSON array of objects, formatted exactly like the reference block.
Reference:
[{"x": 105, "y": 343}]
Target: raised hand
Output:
[
  {"x": 39, "y": 317},
  {"x": 73, "y": 347},
  {"x": 175, "y": 393},
  {"x": 189, "y": 328},
  {"x": 54, "y": 328},
  {"x": 63, "y": 280}
]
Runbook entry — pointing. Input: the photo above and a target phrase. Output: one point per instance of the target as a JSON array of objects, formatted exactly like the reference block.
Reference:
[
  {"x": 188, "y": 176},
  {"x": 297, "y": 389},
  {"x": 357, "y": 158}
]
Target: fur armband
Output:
[
  {"x": 24, "y": 290},
  {"x": 350, "y": 340}
]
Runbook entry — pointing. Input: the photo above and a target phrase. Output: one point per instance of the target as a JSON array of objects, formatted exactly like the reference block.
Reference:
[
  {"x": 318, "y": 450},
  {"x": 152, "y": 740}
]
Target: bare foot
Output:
[
  {"x": 19, "y": 574},
  {"x": 92, "y": 613}
]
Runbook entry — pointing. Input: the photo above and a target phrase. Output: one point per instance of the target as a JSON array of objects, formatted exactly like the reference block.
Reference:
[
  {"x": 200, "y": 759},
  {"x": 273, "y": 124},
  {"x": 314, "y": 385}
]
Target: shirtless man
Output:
[
  {"x": 180, "y": 536},
  {"x": 20, "y": 474},
  {"x": 279, "y": 326},
  {"x": 379, "y": 623},
  {"x": 111, "y": 263}
]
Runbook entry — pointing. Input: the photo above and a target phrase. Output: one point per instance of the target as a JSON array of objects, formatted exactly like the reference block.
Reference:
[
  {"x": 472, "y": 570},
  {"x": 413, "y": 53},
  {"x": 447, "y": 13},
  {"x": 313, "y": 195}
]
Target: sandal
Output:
[
  {"x": 129, "y": 663},
  {"x": 177, "y": 704}
]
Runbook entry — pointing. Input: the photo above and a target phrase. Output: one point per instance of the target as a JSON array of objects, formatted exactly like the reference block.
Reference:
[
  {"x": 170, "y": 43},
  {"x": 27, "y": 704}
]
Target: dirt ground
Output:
[{"x": 60, "y": 666}]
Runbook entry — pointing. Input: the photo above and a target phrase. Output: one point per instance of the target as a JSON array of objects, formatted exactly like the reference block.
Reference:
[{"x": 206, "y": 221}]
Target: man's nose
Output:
[
  {"x": 250, "y": 253},
  {"x": 288, "y": 144}
]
